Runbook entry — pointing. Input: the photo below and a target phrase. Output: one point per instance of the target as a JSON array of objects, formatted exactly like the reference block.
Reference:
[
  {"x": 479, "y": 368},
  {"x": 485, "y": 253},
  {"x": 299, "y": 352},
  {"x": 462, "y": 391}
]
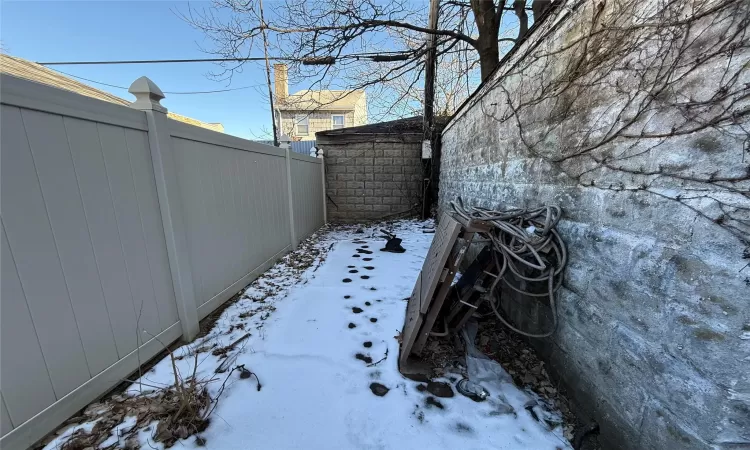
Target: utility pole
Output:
[
  {"x": 268, "y": 74},
  {"x": 429, "y": 71},
  {"x": 428, "y": 116}
]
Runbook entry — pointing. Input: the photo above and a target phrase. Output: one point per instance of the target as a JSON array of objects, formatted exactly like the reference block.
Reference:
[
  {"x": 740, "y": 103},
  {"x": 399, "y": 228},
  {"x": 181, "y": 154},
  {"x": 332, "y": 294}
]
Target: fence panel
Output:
[
  {"x": 118, "y": 228},
  {"x": 234, "y": 198},
  {"x": 84, "y": 267},
  {"x": 307, "y": 194}
]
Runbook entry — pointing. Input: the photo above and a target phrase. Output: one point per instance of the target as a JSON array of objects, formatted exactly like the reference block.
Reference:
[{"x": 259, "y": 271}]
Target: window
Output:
[
  {"x": 337, "y": 121},
  {"x": 303, "y": 124}
]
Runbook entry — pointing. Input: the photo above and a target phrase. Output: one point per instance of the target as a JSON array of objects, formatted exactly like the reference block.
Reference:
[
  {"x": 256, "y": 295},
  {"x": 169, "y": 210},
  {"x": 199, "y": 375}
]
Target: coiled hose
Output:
[{"x": 526, "y": 245}]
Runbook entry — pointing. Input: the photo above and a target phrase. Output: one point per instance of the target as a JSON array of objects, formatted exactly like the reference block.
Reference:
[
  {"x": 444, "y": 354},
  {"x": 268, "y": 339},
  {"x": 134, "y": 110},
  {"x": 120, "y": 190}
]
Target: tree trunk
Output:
[
  {"x": 487, "y": 17},
  {"x": 538, "y": 7},
  {"x": 489, "y": 57},
  {"x": 519, "y": 7}
]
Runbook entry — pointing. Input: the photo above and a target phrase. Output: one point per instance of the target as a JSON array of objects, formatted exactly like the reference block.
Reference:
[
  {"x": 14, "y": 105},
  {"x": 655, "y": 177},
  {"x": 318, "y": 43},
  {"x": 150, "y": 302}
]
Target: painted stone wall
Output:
[{"x": 653, "y": 339}]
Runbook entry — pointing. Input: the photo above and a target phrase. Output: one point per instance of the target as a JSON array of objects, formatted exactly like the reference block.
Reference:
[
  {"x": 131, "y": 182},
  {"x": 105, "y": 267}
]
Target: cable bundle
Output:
[{"x": 525, "y": 244}]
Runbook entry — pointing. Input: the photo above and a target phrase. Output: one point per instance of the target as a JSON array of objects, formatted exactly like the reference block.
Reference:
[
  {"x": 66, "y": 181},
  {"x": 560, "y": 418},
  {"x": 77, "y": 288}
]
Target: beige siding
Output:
[
  {"x": 318, "y": 121},
  {"x": 360, "y": 111}
]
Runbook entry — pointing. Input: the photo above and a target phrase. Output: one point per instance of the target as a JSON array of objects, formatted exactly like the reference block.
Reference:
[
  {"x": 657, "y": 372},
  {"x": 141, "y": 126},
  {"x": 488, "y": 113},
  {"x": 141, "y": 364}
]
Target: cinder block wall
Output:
[
  {"x": 654, "y": 314},
  {"x": 371, "y": 177}
]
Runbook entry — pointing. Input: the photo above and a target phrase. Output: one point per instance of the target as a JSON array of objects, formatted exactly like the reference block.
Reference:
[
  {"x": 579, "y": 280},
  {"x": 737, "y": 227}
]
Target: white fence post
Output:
[
  {"x": 293, "y": 233},
  {"x": 148, "y": 96},
  {"x": 323, "y": 180}
]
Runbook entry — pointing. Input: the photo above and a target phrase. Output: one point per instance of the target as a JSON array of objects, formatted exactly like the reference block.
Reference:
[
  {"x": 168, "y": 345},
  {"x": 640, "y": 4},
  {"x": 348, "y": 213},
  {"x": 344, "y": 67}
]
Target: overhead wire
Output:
[
  {"x": 166, "y": 92},
  {"x": 313, "y": 60},
  {"x": 309, "y": 60},
  {"x": 527, "y": 246}
]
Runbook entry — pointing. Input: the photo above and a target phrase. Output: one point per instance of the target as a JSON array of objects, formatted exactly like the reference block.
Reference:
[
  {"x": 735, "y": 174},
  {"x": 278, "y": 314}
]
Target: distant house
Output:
[
  {"x": 21, "y": 68},
  {"x": 307, "y": 112}
]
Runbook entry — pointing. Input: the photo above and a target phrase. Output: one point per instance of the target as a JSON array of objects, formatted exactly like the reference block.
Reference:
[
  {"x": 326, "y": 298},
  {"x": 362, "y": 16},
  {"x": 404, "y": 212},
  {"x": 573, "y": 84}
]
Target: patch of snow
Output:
[
  {"x": 58, "y": 442},
  {"x": 126, "y": 424},
  {"x": 317, "y": 343}
]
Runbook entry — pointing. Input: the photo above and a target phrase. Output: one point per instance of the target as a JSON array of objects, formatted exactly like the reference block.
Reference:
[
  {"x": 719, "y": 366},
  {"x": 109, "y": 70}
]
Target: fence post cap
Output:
[
  {"x": 285, "y": 141},
  {"x": 147, "y": 95}
]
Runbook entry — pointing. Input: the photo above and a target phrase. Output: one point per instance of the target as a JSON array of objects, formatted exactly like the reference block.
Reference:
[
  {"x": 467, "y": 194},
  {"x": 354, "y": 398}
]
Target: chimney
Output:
[{"x": 281, "y": 82}]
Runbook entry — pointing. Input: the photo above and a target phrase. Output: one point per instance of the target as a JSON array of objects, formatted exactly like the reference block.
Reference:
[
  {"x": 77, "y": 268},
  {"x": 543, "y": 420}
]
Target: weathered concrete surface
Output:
[
  {"x": 372, "y": 177},
  {"x": 654, "y": 333}
]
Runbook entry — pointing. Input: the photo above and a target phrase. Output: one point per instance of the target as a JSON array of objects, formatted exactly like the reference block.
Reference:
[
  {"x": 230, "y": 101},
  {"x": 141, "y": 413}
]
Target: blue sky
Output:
[
  {"x": 107, "y": 30},
  {"x": 59, "y": 30}
]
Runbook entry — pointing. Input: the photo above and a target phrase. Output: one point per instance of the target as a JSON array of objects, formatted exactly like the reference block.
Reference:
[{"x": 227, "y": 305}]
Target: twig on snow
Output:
[{"x": 380, "y": 360}]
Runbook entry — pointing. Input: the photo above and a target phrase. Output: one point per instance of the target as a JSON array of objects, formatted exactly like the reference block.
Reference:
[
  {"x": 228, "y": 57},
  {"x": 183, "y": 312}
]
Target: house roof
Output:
[
  {"x": 21, "y": 68},
  {"x": 326, "y": 100},
  {"x": 408, "y": 125}
]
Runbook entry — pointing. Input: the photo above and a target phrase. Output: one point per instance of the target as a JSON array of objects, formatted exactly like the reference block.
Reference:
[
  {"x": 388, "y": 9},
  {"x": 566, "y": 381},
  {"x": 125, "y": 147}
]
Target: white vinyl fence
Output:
[{"x": 121, "y": 229}]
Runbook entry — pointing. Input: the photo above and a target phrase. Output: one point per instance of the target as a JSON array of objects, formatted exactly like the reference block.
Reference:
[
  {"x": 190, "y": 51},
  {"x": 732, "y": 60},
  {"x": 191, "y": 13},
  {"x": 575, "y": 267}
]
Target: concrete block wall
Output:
[
  {"x": 371, "y": 178},
  {"x": 653, "y": 339}
]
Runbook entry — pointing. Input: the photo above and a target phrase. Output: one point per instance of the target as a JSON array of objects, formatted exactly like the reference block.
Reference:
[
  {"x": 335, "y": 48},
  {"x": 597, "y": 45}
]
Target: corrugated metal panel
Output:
[{"x": 301, "y": 147}]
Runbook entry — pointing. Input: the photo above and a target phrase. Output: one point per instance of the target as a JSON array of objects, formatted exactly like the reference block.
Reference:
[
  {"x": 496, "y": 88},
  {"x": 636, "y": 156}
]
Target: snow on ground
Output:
[{"x": 319, "y": 343}]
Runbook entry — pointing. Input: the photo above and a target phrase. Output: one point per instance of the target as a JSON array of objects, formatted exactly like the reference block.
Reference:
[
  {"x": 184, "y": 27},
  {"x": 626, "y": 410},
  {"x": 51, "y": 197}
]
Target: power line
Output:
[
  {"x": 166, "y": 92},
  {"x": 217, "y": 90},
  {"x": 157, "y": 61},
  {"x": 92, "y": 81},
  {"x": 313, "y": 60}
]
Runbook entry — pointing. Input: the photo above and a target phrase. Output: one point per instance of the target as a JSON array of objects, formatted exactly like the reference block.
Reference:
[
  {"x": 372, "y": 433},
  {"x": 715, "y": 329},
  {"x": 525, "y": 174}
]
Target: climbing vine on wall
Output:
[{"x": 640, "y": 96}]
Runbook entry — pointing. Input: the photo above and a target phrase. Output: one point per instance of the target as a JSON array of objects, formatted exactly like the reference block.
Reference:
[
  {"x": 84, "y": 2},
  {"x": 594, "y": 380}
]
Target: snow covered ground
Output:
[{"x": 317, "y": 344}]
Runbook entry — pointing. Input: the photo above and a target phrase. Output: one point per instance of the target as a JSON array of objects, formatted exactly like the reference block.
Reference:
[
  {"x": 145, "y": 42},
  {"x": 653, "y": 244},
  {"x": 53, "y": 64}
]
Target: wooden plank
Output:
[
  {"x": 442, "y": 243},
  {"x": 30, "y": 238},
  {"x": 26, "y": 386},
  {"x": 59, "y": 184},
  {"x": 473, "y": 225},
  {"x": 454, "y": 262},
  {"x": 95, "y": 192},
  {"x": 412, "y": 321},
  {"x": 461, "y": 311}
]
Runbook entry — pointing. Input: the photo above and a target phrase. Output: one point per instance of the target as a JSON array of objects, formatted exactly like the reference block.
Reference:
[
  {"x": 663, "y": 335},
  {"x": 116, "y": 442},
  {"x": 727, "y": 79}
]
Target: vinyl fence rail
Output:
[{"x": 120, "y": 230}]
